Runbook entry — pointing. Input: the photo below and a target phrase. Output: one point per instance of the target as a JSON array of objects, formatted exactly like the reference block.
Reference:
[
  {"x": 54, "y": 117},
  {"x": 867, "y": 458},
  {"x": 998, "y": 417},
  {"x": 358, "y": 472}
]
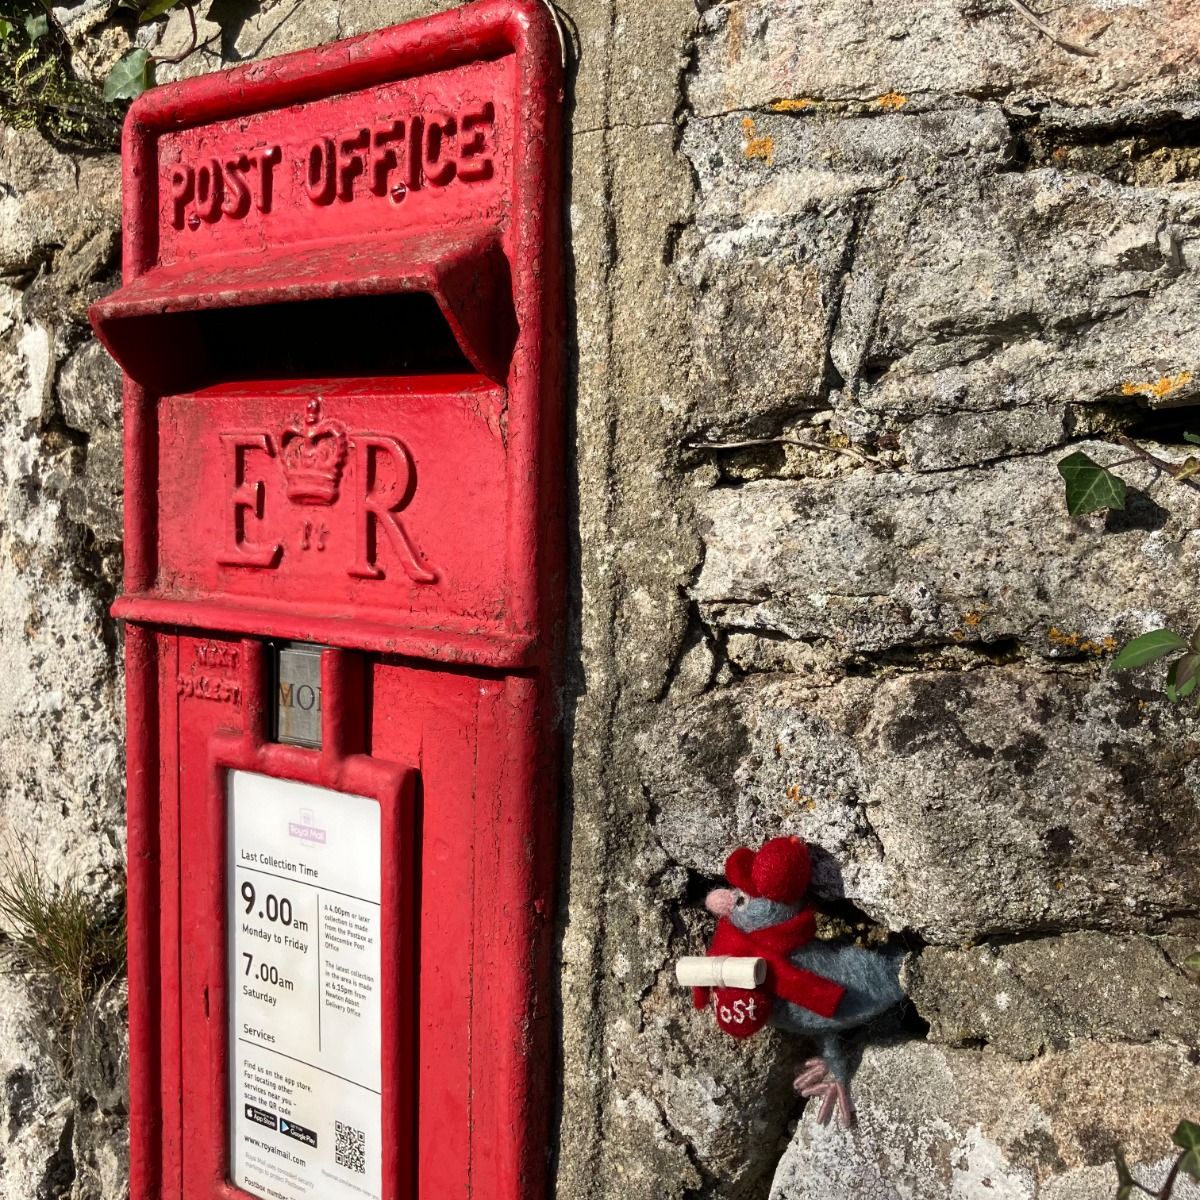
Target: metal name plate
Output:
[
  {"x": 305, "y": 1013},
  {"x": 298, "y": 696}
]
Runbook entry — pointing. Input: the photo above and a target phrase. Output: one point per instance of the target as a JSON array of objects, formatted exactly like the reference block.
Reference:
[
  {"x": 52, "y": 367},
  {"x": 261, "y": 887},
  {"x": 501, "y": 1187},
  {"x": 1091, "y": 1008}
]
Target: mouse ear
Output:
[{"x": 739, "y": 867}]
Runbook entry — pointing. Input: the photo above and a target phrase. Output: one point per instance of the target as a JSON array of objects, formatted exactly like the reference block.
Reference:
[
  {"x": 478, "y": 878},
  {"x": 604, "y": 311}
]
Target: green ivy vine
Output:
[
  {"x": 1187, "y": 1138},
  {"x": 39, "y": 87},
  {"x": 1091, "y": 487},
  {"x": 38, "y": 84}
]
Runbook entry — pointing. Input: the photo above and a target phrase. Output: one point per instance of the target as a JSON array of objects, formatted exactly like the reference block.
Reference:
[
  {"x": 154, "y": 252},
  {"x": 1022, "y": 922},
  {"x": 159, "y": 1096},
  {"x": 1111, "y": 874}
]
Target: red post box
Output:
[{"x": 341, "y": 329}]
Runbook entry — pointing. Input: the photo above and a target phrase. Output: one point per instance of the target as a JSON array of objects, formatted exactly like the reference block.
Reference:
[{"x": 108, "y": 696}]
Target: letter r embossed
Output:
[
  {"x": 378, "y": 506},
  {"x": 246, "y": 499}
]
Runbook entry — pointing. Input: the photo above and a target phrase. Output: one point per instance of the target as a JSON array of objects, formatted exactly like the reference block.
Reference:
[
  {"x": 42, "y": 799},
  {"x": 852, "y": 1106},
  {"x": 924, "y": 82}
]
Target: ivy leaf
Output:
[
  {"x": 1192, "y": 962},
  {"x": 1089, "y": 485},
  {"x": 155, "y": 8},
  {"x": 1187, "y": 1138},
  {"x": 37, "y": 26},
  {"x": 1125, "y": 1179},
  {"x": 131, "y": 76},
  {"x": 1187, "y": 670},
  {"x": 1146, "y": 649},
  {"x": 1177, "y": 691}
]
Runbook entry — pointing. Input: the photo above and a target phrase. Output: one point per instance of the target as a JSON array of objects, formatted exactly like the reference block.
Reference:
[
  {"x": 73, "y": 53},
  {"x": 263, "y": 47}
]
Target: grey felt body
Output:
[{"x": 871, "y": 979}]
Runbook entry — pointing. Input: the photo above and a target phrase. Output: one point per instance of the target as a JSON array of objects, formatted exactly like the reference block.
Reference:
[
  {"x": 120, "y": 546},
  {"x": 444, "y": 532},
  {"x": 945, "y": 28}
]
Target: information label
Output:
[{"x": 304, "y": 1014}]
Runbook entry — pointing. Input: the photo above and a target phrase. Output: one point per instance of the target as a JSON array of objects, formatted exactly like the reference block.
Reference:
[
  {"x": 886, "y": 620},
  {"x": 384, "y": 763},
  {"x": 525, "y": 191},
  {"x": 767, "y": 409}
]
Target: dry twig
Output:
[
  {"x": 1041, "y": 26},
  {"x": 178, "y": 58},
  {"x": 1183, "y": 472}
]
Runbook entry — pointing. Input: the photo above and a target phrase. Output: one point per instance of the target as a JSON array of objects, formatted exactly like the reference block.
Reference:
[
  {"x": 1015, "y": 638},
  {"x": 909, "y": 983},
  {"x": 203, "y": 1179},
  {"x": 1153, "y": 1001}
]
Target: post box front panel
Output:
[
  {"x": 473, "y": 835},
  {"x": 334, "y": 496},
  {"x": 401, "y": 156}
]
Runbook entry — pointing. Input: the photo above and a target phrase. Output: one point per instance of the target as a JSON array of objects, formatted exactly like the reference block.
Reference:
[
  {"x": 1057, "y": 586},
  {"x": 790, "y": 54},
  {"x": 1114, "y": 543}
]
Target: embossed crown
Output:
[{"x": 313, "y": 453}]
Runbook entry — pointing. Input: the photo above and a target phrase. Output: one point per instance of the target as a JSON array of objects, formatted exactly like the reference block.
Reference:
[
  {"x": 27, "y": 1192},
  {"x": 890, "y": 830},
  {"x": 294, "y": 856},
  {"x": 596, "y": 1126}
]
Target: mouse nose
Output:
[{"x": 720, "y": 901}]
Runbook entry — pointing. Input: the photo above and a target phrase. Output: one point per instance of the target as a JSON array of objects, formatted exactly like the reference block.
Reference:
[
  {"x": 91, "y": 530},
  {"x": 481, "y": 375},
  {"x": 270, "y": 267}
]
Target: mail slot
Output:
[{"x": 341, "y": 327}]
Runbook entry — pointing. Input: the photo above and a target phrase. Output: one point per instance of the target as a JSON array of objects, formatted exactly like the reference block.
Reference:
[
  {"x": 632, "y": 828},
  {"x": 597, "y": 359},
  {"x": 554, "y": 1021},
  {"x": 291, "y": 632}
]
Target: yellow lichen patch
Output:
[
  {"x": 797, "y": 797},
  {"x": 757, "y": 147},
  {"x": 1076, "y": 641},
  {"x": 1158, "y": 388},
  {"x": 891, "y": 101},
  {"x": 796, "y": 104},
  {"x": 972, "y": 620}
]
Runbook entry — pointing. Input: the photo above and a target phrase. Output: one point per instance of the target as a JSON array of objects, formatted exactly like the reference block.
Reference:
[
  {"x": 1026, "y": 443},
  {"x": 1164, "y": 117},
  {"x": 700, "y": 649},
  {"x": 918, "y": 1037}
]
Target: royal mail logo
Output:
[{"x": 304, "y": 830}]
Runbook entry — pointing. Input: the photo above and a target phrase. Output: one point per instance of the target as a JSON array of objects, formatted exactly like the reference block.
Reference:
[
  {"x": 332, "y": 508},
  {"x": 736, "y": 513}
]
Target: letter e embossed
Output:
[{"x": 246, "y": 498}]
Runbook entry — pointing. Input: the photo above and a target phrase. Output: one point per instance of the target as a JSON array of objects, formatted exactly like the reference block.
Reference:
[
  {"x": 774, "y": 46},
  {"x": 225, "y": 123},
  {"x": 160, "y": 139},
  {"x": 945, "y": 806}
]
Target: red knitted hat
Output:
[{"x": 779, "y": 871}]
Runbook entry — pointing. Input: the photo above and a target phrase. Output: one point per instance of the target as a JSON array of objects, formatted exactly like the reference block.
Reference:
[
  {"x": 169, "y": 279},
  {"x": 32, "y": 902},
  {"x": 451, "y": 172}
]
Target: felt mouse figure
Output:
[{"x": 813, "y": 988}]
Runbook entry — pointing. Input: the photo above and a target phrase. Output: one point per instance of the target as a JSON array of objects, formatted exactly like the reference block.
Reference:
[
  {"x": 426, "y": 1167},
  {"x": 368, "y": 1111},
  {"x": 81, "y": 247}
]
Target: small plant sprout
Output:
[
  {"x": 1090, "y": 488},
  {"x": 1183, "y": 674}
]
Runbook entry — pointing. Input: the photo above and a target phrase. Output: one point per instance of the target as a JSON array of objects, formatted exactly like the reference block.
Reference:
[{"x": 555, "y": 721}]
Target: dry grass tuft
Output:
[{"x": 61, "y": 931}]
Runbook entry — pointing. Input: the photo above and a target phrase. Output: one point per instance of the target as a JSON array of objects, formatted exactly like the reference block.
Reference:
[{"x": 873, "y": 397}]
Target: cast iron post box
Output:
[{"x": 341, "y": 330}]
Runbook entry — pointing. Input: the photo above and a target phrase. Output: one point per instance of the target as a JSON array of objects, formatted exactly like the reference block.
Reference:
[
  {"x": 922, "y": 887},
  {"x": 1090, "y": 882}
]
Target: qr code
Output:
[{"x": 349, "y": 1147}]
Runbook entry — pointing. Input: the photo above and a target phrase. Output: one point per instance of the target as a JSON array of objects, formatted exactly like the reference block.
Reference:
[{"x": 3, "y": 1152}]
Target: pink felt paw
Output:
[
  {"x": 811, "y": 1073},
  {"x": 814, "y": 1082}
]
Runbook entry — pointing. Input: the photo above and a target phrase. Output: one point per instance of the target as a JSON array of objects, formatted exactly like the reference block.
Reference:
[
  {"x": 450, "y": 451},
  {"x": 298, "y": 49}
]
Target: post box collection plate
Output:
[
  {"x": 341, "y": 327},
  {"x": 304, "y": 1017}
]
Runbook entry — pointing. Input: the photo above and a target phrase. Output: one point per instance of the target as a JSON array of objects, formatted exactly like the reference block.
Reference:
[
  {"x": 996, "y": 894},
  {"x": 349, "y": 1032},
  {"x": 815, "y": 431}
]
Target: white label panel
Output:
[{"x": 305, "y": 1026}]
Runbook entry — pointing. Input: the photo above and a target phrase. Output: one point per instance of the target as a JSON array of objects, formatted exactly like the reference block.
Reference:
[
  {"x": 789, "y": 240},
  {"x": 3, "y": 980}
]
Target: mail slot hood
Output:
[{"x": 444, "y": 296}]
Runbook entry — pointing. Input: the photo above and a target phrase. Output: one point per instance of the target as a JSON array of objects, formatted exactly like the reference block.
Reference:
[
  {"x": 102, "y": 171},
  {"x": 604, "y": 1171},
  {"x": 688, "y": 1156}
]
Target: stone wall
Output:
[
  {"x": 62, "y": 1126},
  {"x": 846, "y": 280},
  {"x": 913, "y": 252}
]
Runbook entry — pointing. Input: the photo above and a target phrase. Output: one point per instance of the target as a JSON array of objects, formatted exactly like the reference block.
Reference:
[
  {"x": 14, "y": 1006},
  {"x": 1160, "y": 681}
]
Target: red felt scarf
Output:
[{"x": 741, "y": 1012}]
